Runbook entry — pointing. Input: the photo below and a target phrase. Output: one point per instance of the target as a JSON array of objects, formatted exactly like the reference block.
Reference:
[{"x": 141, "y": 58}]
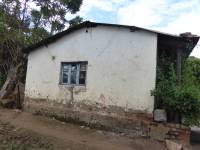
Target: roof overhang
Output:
[{"x": 185, "y": 43}]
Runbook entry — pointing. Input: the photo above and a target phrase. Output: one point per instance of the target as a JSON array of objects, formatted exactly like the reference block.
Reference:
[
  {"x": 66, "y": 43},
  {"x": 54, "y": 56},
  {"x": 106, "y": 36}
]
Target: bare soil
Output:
[{"x": 24, "y": 131}]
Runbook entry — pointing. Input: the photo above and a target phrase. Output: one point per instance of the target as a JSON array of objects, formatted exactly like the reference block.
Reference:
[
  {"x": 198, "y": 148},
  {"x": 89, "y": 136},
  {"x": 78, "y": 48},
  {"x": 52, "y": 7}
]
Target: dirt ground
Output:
[{"x": 22, "y": 130}]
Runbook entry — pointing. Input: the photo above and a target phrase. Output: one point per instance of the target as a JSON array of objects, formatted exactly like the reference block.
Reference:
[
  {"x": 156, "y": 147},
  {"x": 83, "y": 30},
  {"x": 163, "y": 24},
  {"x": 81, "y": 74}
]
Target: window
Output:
[{"x": 73, "y": 73}]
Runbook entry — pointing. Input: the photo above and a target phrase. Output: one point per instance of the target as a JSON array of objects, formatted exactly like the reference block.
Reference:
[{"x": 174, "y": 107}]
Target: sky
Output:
[{"x": 171, "y": 16}]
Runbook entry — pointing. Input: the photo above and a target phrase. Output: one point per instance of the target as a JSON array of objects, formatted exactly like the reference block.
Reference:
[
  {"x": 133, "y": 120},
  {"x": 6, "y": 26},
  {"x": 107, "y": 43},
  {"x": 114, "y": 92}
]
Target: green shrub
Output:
[{"x": 182, "y": 98}]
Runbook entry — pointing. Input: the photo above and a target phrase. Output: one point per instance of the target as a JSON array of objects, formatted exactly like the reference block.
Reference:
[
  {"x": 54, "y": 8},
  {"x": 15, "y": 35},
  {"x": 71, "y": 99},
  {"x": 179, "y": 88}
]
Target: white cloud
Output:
[
  {"x": 149, "y": 13},
  {"x": 101, "y": 4},
  {"x": 141, "y": 13},
  {"x": 186, "y": 22},
  {"x": 104, "y": 5}
]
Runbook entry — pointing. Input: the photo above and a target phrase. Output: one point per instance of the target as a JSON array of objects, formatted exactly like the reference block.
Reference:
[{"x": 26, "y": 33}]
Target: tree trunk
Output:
[{"x": 11, "y": 94}]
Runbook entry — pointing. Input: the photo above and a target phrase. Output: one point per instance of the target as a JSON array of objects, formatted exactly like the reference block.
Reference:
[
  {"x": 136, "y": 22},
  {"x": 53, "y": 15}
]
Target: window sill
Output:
[
  {"x": 72, "y": 85},
  {"x": 75, "y": 87}
]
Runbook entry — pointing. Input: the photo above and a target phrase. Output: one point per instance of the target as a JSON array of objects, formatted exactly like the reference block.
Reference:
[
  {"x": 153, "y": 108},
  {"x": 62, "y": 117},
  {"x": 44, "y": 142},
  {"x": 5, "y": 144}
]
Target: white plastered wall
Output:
[{"x": 121, "y": 68}]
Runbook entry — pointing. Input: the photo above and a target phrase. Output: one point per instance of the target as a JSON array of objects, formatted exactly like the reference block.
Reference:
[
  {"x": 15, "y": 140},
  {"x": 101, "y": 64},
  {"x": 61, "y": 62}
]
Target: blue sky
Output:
[{"x": 172, "y": 16}]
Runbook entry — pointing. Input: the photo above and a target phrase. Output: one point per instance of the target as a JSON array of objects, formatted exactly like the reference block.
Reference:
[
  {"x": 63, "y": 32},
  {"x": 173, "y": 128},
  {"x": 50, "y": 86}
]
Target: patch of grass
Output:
[{"x": 19, "y": 144}]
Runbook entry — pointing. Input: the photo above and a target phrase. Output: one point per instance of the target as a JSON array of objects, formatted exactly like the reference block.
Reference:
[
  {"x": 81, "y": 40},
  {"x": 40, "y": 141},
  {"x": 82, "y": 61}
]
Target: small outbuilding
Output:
[{"x": 100, "y": 73}]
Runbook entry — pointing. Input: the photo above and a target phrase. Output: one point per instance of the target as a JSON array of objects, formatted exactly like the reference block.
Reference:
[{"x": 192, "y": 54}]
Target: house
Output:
[{"x": 100, "y": 73}]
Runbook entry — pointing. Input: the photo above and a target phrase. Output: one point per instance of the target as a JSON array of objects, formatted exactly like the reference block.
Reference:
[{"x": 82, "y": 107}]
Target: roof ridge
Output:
[{"x": 89, "y": 24}]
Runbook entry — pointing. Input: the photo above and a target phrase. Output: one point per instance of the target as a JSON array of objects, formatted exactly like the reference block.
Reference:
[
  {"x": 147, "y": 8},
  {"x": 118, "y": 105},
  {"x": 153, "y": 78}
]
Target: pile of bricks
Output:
[{"x": 168, "y": 131}]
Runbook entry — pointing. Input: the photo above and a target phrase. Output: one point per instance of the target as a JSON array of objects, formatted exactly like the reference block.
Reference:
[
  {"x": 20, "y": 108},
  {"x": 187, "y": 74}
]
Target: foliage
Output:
[
  {"x": 180, "y": 98},
  {"x": 36, "y": 17},
  {"x": 194, "y": 64},
  {"x": 76, "y": 20},
  {"x": 25, "y": 22}
]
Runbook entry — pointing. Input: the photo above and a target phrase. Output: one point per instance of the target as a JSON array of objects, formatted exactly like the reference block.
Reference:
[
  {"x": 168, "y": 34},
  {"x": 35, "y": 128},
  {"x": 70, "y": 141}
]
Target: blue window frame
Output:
[{"x": 73, "y": 73}]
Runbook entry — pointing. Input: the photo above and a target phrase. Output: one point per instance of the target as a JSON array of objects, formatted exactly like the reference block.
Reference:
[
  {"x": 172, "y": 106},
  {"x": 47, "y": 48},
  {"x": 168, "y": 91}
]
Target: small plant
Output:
[{"x": 182, "y": 99}]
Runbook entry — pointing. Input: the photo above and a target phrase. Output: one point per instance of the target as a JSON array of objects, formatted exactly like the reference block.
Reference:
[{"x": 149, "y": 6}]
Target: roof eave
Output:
[{"x": 89, "y": 24}]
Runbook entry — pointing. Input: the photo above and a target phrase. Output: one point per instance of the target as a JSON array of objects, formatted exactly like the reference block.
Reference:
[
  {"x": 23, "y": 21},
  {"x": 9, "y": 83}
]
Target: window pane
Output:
[
  {"x": 65, "y": 67},
  {"x": 82, "y": 77},
  {"x": 83, "y": 67},
  {"x": 65, "y": 73},
  {"x": 65, "y": 77},
  {"x": 73, "y": 73}
]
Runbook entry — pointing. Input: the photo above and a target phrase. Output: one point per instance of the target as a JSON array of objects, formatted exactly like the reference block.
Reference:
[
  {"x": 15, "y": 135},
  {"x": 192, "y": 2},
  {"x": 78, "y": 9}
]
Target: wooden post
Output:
[{"x": 179, "y": 65}]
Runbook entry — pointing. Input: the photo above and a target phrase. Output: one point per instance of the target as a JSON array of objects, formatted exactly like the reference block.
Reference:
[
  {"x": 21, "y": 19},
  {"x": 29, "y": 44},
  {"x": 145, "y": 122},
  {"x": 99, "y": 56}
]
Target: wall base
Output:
[
  {"x": 116, "y": 119},
  {"x": 112, "y": 118}
]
